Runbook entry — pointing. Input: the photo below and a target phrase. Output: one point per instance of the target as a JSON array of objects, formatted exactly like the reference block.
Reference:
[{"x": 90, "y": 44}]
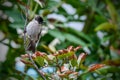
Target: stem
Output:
[
  {"x": 37, "y": 69},
  {"x": 89, "y": 20},
  {"x": 2, "y": 39},
  {"x": 34, "y": 11},
  {"x": 112, "y": 11},
  {"x": 57, "y": 65},
  {"x": 31, "y": 5}
]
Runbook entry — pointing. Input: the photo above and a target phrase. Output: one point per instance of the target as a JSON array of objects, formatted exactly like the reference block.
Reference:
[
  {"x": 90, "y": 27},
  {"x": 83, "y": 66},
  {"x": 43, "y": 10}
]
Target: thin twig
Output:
[
  {"x": 33, "y": 63},
  {"x": 22, "y": 3},
  {"x": 57, "y": 64},
  {"x": 37, "y": 69},
  {"x": 2, "y": 39}
]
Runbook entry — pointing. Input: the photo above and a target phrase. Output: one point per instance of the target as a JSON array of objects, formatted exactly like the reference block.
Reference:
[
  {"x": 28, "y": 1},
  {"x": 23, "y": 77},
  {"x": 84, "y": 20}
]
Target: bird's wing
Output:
[
  {"x": 39, "y": 37},
  {"x": 26, "y": 41},
  {"x": 29, "y": 44}
]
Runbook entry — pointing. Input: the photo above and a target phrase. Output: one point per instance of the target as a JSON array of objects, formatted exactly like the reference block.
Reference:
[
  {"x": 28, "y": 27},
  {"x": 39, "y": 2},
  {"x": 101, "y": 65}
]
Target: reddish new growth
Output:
[
  {"x": 95, "y": 67},
  {"x": 65, "y": 51},
  {"x": 44, "y": 55},
  {"x": 68, "y": 73},
  {"x": 66, "y": 61},
  {"x": 82, "y": 56}
]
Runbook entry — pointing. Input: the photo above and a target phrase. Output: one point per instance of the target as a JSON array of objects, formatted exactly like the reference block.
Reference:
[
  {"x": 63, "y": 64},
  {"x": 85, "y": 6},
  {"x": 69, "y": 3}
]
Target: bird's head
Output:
[{"x": 39, "y": 19}]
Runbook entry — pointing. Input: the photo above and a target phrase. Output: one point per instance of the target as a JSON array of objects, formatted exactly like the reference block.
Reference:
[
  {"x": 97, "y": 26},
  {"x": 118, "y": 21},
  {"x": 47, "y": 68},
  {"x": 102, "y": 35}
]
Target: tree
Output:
[{"x": 101, "y": 17}]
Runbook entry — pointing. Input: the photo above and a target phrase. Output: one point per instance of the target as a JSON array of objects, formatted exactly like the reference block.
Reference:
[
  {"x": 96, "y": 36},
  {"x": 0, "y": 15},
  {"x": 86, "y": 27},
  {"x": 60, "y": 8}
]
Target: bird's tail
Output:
[
  {"x": 29, "y": 44},
  {"x": 32, "y": 46}
]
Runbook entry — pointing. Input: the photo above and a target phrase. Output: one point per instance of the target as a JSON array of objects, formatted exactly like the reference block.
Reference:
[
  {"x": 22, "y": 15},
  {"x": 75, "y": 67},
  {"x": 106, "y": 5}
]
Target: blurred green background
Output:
[{"x": 93, "y": 24}]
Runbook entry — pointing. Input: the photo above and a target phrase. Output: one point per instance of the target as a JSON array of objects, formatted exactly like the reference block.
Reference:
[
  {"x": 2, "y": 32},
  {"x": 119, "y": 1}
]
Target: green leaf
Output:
[
  {"x": 17, "y": 25},
  {"x": 70, "y": 54},
  {"x": 74, "y": 39},
  {"x": 61, "y": 56},
  {"x": 65, "y": 55},
  {"x": 73, "y": 62},
  {"x": 113, "y": 62},
  {"x": 112, "y": 11},
  {"x": 51, "y": 3},
  {"x": 108, "y": 69},
  {"x": 40, "y": 60},
  {"x": 57, "y": 34},
  {"x": 81, "y": 35},
  {"x": 106, "y": 27},
  {"x": 15, "y": 15},
  {"x": 115, "y": 55},
  {"x": 106, "y": 38}
]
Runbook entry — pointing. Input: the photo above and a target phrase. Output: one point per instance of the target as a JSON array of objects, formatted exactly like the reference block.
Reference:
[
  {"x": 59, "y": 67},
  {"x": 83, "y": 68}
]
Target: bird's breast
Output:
[{"x": 33, "y": 29}]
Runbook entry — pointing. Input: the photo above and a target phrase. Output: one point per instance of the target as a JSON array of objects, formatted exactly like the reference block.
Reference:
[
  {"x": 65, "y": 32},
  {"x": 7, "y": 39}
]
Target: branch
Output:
[{"x": 37, "y": 69}]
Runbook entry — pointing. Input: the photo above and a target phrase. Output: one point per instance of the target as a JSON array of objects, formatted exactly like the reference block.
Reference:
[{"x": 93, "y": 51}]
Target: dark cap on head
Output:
[{"x": 39, "y": 19}]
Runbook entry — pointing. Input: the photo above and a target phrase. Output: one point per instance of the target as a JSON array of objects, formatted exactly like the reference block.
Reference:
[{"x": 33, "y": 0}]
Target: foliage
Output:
[
  {"x": 65, "y": 62},
  {"x": 102, "y": 16}
]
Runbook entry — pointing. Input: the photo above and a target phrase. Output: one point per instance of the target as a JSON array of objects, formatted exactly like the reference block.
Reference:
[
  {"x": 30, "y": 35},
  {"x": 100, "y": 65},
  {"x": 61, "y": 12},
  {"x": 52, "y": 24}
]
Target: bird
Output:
[{"x": 32, "y": 33}]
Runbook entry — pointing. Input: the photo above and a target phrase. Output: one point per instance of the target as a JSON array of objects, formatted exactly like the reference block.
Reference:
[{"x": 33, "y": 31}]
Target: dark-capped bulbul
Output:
[{"x": 32, "y": 33}]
